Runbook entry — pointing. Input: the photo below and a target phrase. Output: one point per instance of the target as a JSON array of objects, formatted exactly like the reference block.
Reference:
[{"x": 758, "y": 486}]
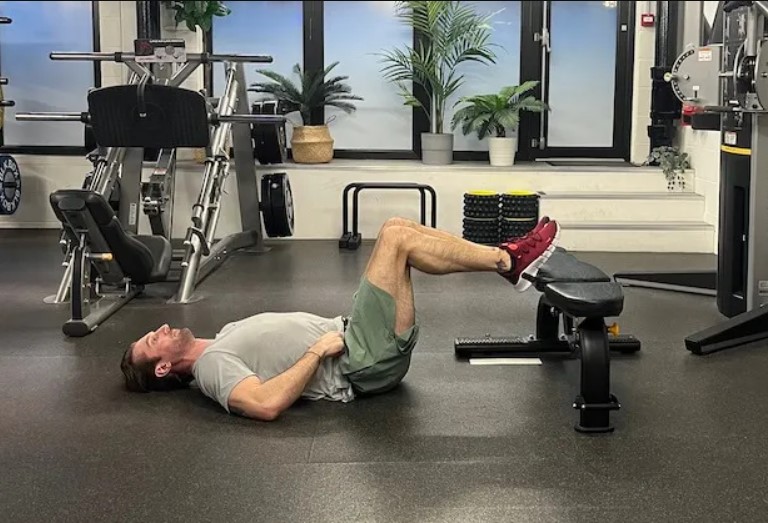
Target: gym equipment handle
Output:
[
  {"x": 202, "y": 58},
  {"x": 5, "y": 20},
  {"x": 360, "y": 186},
  {"x": 53, "y": 117},
  {"x": 249, "y": 118},
  {"x": 7, "y": 103}
]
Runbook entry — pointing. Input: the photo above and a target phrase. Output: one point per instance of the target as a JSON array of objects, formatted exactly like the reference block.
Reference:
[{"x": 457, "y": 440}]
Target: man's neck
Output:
[{"x": 187, "y": 362}]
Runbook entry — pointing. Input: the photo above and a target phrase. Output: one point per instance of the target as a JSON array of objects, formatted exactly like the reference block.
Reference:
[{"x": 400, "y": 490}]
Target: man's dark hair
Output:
[{"x": 140, "y": 377}]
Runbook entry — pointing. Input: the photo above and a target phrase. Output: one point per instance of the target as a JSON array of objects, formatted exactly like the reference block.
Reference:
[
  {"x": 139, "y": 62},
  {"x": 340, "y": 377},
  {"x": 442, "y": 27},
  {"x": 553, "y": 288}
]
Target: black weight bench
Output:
[
  {"x": 124, "y": 262},
  {"x": 576, "y": 297}
]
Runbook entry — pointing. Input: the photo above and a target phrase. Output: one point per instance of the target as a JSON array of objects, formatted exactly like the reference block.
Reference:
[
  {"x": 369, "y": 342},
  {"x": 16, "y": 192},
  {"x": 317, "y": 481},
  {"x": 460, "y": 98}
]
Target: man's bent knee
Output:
[
  {"x": 397, "y": 222},
  {"x": 396, "y": 236}
]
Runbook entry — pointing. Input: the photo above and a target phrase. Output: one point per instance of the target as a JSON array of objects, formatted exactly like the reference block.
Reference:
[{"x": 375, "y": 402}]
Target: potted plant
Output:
[
  {"x": 197, "y": 14},
  {"x": 311, "y": 141},
  {"x": 495, "y": 115},
  {"x": 427, "y": 74},
  {"x": 673, "y": 163}
]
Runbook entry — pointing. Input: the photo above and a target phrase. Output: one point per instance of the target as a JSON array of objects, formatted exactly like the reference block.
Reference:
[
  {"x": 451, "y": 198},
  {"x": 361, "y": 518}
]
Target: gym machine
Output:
[
  {"x": 153, "y": 112},
  {"x": 10, "y": 176},
  {"x": 728, "y": 84},
  {"x": 576, "y": 297}
]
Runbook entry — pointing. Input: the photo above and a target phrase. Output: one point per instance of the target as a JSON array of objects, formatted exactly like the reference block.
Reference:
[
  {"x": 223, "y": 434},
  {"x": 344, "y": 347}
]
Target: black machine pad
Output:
[
  {"x": 143, "y": 259},
  {"x": 161, "y": 252},
  {"x": 564, "y": 267},
  {"x": 586, "y": 300},
  {"x": 174, "y": 117}
]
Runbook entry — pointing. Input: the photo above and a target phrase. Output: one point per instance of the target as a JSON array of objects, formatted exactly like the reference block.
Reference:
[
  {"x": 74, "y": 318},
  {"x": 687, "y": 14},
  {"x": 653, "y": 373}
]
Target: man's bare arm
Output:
[{"x": 266, "y": 401}]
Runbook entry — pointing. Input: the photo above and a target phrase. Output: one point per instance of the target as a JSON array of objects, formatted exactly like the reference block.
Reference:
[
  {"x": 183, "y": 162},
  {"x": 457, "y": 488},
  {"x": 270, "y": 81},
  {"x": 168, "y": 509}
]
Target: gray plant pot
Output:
[{"x": 437, "y": 149}]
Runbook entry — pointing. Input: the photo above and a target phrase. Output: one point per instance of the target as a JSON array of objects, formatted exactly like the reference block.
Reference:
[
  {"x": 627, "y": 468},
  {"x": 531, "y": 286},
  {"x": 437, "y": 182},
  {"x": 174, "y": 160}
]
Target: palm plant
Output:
[
  {"x": 312, "y": 92},
  {"x": 427, "y": 74},
  {"x": 197, "y": 14},
  {"x": 487, "y": 114}
]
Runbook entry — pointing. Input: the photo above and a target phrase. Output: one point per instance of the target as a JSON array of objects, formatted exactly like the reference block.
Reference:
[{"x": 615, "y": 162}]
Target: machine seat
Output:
[
  {"x": 162, "y": 255},
  {"x": 586, "y": 300},
  {"x": 144, "y": 259},
  {"x": 564, "y": 267}
]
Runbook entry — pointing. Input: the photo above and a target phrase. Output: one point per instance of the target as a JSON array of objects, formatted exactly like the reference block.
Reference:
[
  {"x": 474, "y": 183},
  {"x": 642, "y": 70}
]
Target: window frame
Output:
[{"x": 531, "y": 16}]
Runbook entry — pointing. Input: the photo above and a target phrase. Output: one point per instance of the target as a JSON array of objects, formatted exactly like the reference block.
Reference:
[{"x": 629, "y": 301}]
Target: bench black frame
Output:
[
  {"x": 352, "y": 240},
  {"x": 560, "y": 334}
]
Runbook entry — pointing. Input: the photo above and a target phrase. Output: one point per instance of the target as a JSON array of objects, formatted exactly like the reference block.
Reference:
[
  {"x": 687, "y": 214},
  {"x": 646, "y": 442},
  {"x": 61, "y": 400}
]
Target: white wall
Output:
[
  {"x": 702, "y": 146},
  {"x": 117, "y": 29},
  {"x": 645, "y": 48}
]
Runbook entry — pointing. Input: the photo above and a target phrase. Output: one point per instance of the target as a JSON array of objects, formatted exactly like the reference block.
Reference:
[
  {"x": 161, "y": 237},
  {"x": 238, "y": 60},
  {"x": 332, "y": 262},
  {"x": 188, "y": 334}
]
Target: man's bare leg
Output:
[
  {"x": 399, "y": 248},
  {"x": 430, "y": 231}
]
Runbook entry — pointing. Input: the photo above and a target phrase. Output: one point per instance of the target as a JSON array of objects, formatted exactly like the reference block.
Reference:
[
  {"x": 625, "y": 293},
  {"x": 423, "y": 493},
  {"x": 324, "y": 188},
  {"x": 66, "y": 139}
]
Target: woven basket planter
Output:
[{"x": 312, "y": 144}]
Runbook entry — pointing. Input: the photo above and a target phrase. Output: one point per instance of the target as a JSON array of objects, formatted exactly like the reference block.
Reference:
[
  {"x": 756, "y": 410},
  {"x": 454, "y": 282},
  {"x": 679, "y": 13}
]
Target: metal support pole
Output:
[
  {"x": 201, "y": 213},
  {"x": 757, "y": 246}
]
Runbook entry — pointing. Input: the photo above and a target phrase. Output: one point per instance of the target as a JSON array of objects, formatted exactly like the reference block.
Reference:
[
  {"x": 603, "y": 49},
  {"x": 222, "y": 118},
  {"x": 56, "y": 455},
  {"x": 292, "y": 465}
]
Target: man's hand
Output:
[{"x": 330, "y": 345}]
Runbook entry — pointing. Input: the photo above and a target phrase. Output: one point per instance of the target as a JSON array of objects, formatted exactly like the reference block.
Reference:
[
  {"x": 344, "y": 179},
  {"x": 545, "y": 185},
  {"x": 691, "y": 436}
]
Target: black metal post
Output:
[
  {"x": 147, "y": 19},
  {"x": 314, "y": 58},
  {"x": 665, "y": 107}
]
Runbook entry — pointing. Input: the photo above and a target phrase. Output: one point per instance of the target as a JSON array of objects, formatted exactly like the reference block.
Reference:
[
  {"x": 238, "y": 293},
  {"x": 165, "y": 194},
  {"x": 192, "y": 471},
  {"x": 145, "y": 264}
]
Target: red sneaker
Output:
[
  {"x": 516, "y": 239},
  {"x": 531, "y": 252}
]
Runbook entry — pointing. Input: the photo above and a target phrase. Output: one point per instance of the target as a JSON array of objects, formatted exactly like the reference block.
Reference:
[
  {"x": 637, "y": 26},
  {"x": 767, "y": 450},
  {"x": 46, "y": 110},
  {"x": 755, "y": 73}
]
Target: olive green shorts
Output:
[{"x": 376, "y": 359}]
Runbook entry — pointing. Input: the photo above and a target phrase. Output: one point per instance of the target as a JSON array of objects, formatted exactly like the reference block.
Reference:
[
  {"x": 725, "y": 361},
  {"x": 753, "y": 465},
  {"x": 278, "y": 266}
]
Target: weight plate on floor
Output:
[
  {"x": 10, "y": 185},
  {"x": 277, "y": 205}
]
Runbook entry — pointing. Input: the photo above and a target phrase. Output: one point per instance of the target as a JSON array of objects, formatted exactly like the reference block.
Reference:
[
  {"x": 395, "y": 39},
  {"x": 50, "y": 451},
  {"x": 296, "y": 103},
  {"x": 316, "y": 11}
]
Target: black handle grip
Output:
[{"x": 7, "y": 103}]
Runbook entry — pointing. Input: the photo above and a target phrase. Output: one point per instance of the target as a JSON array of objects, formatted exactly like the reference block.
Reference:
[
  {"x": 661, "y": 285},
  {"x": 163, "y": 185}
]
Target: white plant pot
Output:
[{"x": 502, "y": 151}]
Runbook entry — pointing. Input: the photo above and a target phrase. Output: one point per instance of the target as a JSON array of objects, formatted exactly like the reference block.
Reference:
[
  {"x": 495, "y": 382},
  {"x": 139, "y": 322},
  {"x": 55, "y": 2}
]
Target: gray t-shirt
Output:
[{"x": 264, "y": 346}]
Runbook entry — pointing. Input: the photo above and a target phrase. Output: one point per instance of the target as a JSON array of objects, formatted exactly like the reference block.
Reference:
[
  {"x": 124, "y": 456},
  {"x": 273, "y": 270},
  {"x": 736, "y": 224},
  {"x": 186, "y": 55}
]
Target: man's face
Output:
[{"x": 164, "y": 344}]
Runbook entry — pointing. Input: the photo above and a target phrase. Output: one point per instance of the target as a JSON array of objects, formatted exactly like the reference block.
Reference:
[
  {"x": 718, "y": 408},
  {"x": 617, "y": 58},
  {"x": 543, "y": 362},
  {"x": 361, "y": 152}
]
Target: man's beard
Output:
[{"x": 185, "y": 338}]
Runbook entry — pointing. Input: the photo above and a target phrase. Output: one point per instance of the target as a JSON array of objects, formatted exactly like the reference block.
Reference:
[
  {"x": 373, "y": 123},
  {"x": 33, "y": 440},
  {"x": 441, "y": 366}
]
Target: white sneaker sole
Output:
[{"x": 523, "y": 284}]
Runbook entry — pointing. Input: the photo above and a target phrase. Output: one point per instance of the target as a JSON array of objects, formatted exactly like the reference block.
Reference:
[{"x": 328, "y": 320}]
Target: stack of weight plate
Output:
[
  {"x": 519, "y": 213},
  {"x": 481, "y": 217}
]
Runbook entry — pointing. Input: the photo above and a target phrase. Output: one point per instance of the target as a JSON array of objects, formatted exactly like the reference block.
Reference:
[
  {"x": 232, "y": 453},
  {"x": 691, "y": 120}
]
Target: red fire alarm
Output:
[{"x": 647, "y": 19}]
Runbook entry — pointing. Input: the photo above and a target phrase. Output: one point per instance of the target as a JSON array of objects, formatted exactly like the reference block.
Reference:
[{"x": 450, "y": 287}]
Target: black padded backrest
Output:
[
  {"x": 175, "y": 117},
  {"x": 79, "y": 206}
]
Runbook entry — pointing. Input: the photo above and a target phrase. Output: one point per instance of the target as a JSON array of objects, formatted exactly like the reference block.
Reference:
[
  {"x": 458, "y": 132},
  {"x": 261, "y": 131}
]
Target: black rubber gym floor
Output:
[{"x": 454, "y": 443}]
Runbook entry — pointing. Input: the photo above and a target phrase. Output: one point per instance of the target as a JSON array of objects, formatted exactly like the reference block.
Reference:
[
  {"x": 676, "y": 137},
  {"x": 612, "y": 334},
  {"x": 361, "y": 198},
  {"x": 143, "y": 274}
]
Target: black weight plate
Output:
[
  {"x": 10, "y": 185},
  {"x": 269, "y": 140},
  {"x": 277, "y": 205}
]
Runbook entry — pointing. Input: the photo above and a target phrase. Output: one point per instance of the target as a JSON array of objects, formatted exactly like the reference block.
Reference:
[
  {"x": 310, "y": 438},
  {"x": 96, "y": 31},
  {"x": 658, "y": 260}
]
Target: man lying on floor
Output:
[{"x": 259, "y": 366}]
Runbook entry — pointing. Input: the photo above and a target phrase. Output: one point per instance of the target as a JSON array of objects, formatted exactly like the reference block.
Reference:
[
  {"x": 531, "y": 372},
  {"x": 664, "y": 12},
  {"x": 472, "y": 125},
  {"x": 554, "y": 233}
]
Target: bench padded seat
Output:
[
  {"x": 564, "y": 267},
  {"x": 586, "y": 300}
]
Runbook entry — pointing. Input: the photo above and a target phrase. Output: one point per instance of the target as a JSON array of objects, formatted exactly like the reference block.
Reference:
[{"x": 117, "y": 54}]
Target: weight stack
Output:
[
  {"x": 519, "y": 213},
  {"x": 481, "y": 217}
]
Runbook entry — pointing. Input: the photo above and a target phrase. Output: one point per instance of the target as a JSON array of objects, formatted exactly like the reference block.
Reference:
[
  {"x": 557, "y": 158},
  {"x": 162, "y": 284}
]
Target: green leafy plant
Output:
[
  {"x": 198, "y": 14},
  {"x": 673, "y": 163},
  {"x": 450, "y": 33},
  {"x": 487, "y": 114},
  {"x": 312, "y": 92}
]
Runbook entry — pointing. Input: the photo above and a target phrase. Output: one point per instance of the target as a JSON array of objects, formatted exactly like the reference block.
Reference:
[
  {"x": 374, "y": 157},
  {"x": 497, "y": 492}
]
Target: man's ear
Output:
[{"x": 162, "y": 369}]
